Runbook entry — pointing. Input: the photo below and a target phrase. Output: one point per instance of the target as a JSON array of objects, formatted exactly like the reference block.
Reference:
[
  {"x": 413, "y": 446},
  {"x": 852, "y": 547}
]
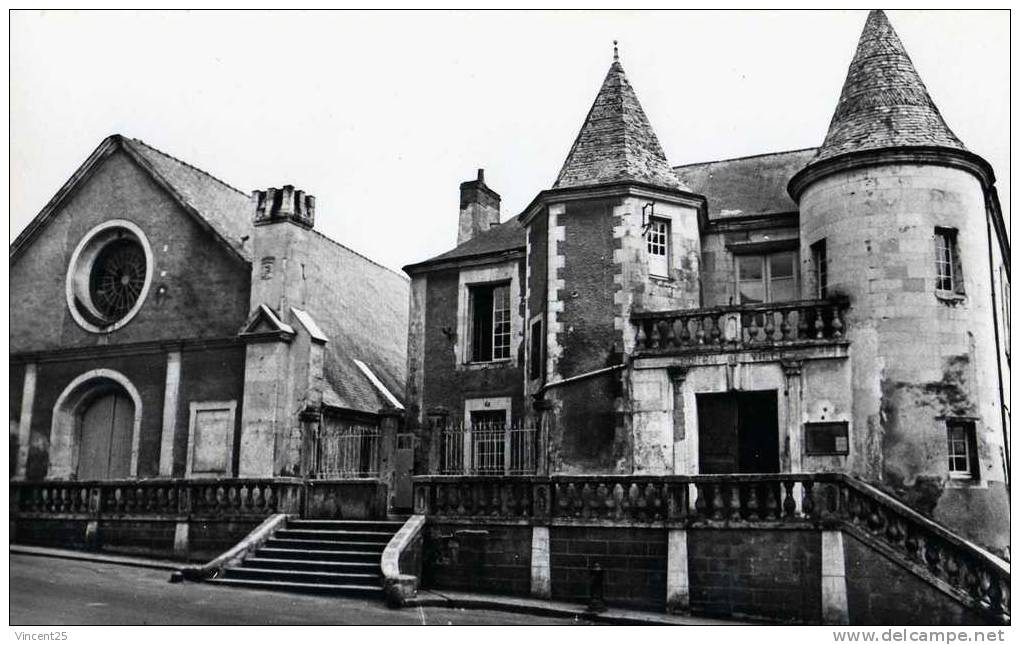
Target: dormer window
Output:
[{"x": 658, "y": 247}]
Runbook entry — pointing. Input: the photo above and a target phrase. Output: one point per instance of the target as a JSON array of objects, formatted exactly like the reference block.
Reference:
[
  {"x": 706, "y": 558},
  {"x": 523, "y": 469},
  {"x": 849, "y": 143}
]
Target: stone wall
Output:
[{"x": 489, "y": 559}]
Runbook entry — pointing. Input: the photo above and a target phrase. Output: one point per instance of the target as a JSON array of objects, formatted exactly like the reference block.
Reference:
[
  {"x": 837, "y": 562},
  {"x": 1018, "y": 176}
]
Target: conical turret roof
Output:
[
  {"x": 616, "y": 142},
  {"x": 884, "y": 103}
]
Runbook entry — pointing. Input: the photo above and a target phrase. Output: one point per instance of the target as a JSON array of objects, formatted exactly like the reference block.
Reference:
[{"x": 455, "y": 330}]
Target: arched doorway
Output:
[
  {"x": 97, "y": 421},
  {"x": 105, "y": 433}
]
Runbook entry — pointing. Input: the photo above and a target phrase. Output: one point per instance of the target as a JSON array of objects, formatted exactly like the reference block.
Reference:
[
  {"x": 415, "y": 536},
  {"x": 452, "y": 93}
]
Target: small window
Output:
[
  {"x": 948, "y": 272},
  {"x": 828, "y": 438},
  {"x": 767, "y": 278},
  {"x": 490, "y": 323},
  {"x": 658, "y": 248},
  {"x": 962, "y": 449},
  {"x": 820, "y": 263},
  {"x": 535, "y": 354}
]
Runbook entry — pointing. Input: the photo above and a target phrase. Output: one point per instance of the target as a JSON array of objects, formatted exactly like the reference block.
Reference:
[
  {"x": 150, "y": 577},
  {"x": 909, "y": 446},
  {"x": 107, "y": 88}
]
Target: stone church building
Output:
[
  {"x": 167, "y": 325},
  {"x": 834, "y": 309}
]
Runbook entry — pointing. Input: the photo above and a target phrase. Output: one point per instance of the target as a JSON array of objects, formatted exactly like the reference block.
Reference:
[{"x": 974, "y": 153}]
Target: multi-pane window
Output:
[
  {"x": 948, "y": 273},
  {"x": 767, "y": 278},
  {"x": 962, "y": 449},
  {"x": 658, "y": 247},
  {"x": 820, "y": 263},
  {"x": 490, "y": 322}
]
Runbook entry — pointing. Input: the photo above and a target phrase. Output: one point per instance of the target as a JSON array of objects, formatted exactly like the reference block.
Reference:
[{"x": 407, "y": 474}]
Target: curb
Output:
[
  {"x": 521, "y": 606},
  {"x": 82, "y": 556}
]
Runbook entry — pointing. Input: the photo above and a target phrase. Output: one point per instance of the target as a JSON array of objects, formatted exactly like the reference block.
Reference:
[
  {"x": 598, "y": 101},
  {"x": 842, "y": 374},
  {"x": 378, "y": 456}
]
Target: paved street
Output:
[{"x": 51, "y": 591}]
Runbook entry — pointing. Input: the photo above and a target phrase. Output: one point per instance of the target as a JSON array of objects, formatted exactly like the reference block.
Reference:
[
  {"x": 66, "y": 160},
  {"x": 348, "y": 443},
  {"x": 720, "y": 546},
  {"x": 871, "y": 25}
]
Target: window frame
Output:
[
  {"x": 968, "y": 441},
  {"x": 947, "y": 239},
  {"x": 471, "y": 350},
  {"x": 665, "y": 244},
  {"x": 820, "y": 264},
  {"x": 766, "y": 274}
]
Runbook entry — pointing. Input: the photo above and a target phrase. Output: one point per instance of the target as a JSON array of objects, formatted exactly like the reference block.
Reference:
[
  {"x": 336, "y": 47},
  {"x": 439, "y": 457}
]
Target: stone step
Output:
[
  {"x": 298, "y": 555},
  {"x": 260, "y": 562},
  {"x": 351, "y": 525},
  {"x": 301, "y": 587},
  {"x": 325, "y": 545},
  {"x": 293, "y": 575},
  {"x": 334, "y": 535}
]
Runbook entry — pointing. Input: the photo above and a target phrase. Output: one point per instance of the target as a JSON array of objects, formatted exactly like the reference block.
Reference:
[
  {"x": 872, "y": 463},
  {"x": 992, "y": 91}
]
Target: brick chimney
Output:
[
  {"x": 282, "y": 205},
  {"x": 479, "y": 208}
]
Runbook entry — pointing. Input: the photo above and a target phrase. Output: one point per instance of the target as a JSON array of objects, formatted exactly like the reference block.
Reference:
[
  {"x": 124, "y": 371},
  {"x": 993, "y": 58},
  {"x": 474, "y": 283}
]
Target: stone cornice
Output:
[
  {"x": 619, "y": 189},
  {"x": 481, "y": 259},
  {"x": 127, "y": 349}
]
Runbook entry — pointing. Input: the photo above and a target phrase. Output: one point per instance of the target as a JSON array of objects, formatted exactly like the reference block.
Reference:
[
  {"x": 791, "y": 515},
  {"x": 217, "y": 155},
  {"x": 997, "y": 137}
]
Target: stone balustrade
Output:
[
  {"x": 740, "y": 326},
  {"x": 787, "y": 500},
  {"x": 217, "y": 498}
]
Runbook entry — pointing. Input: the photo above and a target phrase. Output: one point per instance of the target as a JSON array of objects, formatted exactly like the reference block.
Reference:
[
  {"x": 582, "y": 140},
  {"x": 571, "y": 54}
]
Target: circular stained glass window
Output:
[
  {"x": 109, "y": 276},
  {"x": 117, "y": 278}
]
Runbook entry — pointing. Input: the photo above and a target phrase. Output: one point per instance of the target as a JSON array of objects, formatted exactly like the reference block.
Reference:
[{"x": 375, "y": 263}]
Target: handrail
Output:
[
  {"x": 738, "y": 308},
  {"x": 249, "y": 544},
  {"x": 399, "y": 585},
  {"x": 969, "y": 573}
]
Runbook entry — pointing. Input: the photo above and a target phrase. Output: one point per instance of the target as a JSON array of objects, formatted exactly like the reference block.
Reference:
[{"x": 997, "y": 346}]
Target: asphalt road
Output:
[{"x": 52, "y": 591}]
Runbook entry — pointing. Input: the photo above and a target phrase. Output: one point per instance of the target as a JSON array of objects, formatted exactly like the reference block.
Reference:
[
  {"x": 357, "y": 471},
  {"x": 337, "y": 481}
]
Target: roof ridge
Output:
[
  {"x": 185, "y": 163},
  {"x": 755, "y": 156},
  {"x": 360, "y": 255}
]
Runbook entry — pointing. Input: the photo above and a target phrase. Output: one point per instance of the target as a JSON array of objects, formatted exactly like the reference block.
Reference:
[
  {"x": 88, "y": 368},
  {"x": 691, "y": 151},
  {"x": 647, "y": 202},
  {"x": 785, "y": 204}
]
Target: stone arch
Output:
[{"x": 66, "y": 424}]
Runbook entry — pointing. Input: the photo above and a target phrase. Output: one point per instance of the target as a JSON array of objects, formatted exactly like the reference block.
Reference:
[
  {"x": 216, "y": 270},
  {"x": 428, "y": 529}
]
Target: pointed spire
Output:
[
  {"x": 884, "y": 103},
  {"x": 616, "y": 142}
]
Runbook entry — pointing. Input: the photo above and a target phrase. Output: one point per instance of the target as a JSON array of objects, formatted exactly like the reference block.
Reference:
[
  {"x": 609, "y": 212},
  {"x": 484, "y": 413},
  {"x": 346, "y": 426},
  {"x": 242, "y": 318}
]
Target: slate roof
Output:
[
  {"x": 884, "y": 103},
  {"x": 616, "y": 142},
  {"x": 506, "y": 236},
  {"x": 227, "y": 209},
  {"x": 748, "y": 185}
]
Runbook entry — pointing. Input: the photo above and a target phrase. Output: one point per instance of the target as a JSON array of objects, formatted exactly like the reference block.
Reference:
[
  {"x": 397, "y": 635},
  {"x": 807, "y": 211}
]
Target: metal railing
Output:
[
  {"x": 740, "y": 326},
  {"x": 489, "y": 449},
  {"x": 345, "y": 452}
]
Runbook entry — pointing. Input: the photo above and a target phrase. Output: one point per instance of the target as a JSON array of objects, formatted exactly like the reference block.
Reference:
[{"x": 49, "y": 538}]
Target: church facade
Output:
[
  {"x": 834, "y": 309},
  {"x": 165, "y": 325}
]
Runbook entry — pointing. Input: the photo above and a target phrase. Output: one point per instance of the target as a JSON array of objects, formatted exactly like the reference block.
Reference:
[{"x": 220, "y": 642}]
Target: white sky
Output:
[{"x": 382, "y": 115}]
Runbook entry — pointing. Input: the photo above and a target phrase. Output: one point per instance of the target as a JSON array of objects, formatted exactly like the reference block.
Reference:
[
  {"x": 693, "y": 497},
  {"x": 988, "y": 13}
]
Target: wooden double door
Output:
[
  {"x": 738, "y": 432},
  {"x": 104, "y": 445}
]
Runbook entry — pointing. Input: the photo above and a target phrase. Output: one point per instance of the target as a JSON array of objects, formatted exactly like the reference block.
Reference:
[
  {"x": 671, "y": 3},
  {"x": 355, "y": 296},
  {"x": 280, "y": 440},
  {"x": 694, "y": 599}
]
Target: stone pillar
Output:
[
  {"x": 389, "y": 426},
  {"x": 181, "y": 541},
  {"x": 541, "y": 571},
  {"x": 437, "y": 420},
  {"x": 678, "y": 585},
  {"x": 25, "y": 421},
  {"x": 677, "y": 375},
  {"x": 310, "y": 420},
  {"x": 170, "y": 390},
  {"x": 794, "y": 433},
  {"x": 834, "y": 602}
]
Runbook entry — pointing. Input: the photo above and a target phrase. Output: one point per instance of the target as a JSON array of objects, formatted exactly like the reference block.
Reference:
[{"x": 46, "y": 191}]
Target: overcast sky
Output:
[{"x": 382, "y": 115}]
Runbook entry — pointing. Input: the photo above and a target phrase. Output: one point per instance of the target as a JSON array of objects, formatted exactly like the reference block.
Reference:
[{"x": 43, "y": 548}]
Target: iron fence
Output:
[
  {"x": 345, "y": 452},
  {"x": 489, "y": 449}
]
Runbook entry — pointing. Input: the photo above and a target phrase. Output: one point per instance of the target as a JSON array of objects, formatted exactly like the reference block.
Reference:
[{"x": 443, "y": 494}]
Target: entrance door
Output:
[
  {"x": 738, "y": 432},
  {"x": 402, "y": 497},
  {"x": 105, "y": 443}
]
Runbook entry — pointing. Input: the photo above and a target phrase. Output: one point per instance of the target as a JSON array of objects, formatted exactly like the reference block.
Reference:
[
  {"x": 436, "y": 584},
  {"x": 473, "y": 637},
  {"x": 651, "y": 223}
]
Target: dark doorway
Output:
[
  {"x": 738, "y": 432},
  {"x": 104, "y": 445}
]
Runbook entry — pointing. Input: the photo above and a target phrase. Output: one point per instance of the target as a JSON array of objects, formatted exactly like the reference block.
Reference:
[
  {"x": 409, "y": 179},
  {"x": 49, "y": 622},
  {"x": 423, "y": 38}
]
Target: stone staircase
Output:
[{"x": 335, "y": 557}]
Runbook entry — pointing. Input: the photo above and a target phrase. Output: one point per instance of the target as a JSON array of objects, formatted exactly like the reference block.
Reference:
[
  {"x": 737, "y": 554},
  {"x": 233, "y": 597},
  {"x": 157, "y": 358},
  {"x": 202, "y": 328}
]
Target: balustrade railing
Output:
[
  {"x": 787, "y": 500},
  {"x": 157, "y": 498},
  {"x": 740, "y": 326}
]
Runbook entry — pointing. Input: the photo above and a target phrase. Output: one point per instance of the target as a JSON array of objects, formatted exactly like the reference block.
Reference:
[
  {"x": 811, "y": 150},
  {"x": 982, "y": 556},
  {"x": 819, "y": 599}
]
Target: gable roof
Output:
[
  {"x": 616, "y": 142},
  {"x": 219, "y": 208},
  {"x": 506, "y": 236},
  {"x": 745, "y": 186},
  {"x": 884, "y": 103}
]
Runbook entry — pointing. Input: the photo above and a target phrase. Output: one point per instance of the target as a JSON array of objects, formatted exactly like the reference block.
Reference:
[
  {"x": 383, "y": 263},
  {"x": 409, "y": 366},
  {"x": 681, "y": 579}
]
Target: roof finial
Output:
[{"x": 616, "y": 53}]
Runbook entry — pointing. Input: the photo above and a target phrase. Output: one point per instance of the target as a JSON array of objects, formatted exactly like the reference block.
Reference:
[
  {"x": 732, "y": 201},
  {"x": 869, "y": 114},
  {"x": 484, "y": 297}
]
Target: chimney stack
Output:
[
  {"x": 479, "y": 208},
  {"x": 284, "y": 204}
]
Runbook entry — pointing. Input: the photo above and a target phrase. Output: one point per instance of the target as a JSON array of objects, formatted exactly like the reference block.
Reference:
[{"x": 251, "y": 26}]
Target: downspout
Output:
[{"x": 991, "y": 198}]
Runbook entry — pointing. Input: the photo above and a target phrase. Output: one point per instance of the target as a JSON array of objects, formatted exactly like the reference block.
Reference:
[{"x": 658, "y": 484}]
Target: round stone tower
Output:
[{"x": 894, "y": 216}]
